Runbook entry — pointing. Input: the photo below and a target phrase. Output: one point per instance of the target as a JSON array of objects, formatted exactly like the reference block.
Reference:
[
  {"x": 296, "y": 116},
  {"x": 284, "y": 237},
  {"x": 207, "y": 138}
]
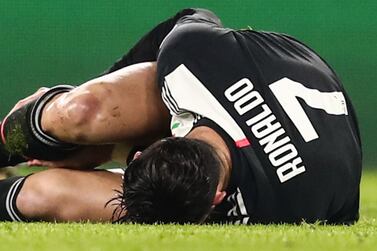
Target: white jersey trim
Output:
[
  {"x": 189, "y": 94},
  {"x": 10, "y": 198},
  {"x": 238, "y": 210}
]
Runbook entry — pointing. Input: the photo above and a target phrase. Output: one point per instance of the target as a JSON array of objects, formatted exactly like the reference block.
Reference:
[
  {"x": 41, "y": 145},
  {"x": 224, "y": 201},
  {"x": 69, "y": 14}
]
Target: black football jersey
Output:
[{"x": 288, "y": 123}]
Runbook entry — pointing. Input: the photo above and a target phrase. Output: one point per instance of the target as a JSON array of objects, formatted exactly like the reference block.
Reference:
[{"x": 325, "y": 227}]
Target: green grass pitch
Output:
[{"x": 85, "y": 236}]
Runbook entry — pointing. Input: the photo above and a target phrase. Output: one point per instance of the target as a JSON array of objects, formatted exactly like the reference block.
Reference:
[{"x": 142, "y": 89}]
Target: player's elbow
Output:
[{"x": 72, "y": 117}]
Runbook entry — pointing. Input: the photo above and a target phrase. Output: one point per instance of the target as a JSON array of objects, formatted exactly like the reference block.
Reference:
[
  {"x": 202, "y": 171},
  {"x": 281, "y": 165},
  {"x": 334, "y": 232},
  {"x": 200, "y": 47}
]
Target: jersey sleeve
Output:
[{"x": 146, "y": 49}]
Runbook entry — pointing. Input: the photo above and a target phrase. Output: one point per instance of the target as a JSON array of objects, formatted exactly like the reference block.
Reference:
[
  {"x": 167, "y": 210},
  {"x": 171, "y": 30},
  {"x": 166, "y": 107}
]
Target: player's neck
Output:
[{"x": 215, "y": 140}]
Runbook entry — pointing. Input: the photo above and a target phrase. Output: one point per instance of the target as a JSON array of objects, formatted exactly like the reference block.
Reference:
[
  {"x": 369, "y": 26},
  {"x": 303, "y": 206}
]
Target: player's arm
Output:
[
  {"x": 61, "y": 195},
  {"x": 124, "y": 106},
  {"x": 90, "y": 157},
  {"x": 71, "y": 115},
  {"x": 146, "y": 49}
]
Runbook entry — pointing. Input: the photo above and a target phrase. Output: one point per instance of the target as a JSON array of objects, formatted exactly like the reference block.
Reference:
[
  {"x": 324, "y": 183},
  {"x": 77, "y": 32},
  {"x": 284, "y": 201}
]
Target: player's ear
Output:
[
  {"x": 219, "y": 196},
  {"x": 137, "y": 155}
]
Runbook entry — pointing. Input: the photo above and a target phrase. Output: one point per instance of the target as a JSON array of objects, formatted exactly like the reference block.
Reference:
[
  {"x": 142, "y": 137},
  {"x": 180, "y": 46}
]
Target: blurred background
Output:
[{"x": 46, "y": 42}]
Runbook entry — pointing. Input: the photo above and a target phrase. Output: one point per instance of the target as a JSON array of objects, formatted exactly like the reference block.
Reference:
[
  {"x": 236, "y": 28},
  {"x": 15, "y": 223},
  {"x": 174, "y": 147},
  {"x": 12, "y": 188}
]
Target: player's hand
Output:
[
  {"x": 88, "y": 157},
  {"x": 30, "y": 98},
  {"x": 7, "y": 159}
]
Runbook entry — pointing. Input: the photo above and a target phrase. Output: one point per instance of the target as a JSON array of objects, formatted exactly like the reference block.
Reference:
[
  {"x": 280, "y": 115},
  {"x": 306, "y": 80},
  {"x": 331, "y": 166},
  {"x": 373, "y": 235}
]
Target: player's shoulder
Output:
[{"x": 190, "y": 34}]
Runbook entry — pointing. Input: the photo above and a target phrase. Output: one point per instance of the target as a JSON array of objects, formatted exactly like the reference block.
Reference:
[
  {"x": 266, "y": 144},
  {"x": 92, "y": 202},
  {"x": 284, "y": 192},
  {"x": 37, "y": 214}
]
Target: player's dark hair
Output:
[{"x": 173, "y": 181}]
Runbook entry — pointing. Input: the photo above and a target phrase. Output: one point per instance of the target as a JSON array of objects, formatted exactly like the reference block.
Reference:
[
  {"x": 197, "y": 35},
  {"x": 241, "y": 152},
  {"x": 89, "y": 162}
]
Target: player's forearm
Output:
[
  {"x": 91, "y": 156},
  {"x": 121, "y": 107}
]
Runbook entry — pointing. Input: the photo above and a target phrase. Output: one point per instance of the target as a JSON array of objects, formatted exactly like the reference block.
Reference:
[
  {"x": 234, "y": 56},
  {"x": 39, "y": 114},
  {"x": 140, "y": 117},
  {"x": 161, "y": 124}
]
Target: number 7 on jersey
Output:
[{"x": 287, "y": 91}]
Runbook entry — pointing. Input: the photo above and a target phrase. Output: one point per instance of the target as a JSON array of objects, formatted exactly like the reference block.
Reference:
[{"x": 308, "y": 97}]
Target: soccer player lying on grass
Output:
[{"x": 263, "y": 133}]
